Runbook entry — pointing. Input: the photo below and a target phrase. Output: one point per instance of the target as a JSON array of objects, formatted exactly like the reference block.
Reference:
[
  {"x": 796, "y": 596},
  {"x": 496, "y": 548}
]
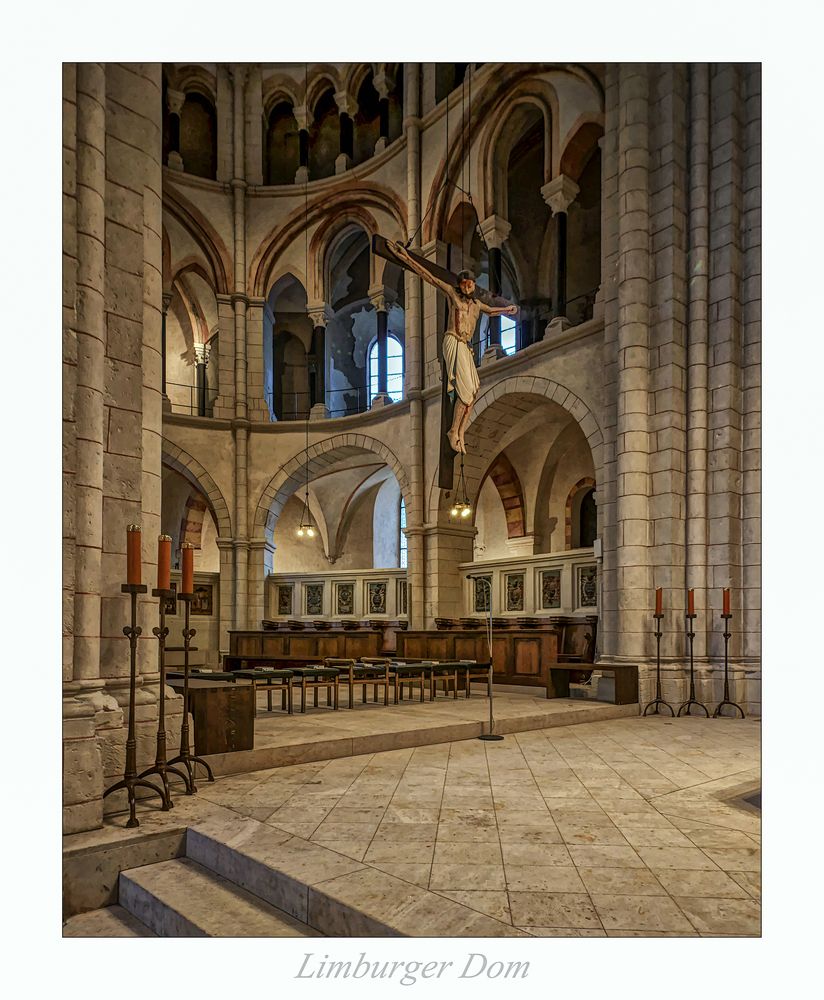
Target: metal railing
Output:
[
  {"x": 339, "y": 402},
  {"x": 191, "y": 399}
]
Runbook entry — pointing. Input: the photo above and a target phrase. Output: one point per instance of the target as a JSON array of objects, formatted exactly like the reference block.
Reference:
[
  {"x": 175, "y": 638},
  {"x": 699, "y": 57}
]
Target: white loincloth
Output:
[{"x": 461, "y": 373}]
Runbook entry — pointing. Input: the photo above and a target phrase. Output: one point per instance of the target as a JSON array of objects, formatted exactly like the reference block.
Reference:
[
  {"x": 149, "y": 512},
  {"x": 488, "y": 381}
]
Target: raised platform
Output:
[{"x": 323, "y": 734}]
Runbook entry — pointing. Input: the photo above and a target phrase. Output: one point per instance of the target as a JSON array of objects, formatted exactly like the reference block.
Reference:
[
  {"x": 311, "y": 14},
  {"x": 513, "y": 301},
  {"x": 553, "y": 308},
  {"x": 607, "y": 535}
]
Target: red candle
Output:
[
  {"x": 188, "y": 567},
  {"x": 690, "y": 602},
  {"x": 133, "y": 554},
  {"x": 726, "y": 600},
  {"x": 659, "y": 601},
  {"x": 164, "y": 562}
]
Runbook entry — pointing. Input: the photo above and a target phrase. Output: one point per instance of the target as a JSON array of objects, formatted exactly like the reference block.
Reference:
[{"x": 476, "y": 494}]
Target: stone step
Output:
[
  {"x": 181, "y": 898},
  {"x": 334, "y": 894},
  {"x": 109, "y": 921}
]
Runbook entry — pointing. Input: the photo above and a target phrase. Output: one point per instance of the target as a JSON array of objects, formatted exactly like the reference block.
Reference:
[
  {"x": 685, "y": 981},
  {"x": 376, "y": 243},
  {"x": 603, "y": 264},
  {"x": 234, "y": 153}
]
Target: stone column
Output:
[
  {"x": 346, "y": 111},
  {"x": 383, "y": 84},
  {"x": 225, "y": 403},
  {"x": 261, "y": 553},
  {"x": 254, "y": 126},
  {"x": 89, "y": 401},
  {"x": 302, "y": 118},
  {"x": 240, "y": 423},
  {"x": 377, "y": 296},
  {"x": 227, "y": 588},
  {"x": 632, "y": 442},
  {"x": 698, "y": 347},
  {"x": 255, "y": 397},
  {"x": 559, "y": 194},
  {"x": 174, "y": 102},
  {"x": 495, "y": 232},
  {"x": 317, "y": 363},
  {"x": 202, "y": 361}
]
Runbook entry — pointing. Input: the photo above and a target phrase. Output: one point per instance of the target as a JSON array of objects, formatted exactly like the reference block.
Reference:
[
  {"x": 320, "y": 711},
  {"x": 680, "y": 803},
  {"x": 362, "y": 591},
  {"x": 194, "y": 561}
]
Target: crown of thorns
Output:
[{"x": 466, "y": 276}]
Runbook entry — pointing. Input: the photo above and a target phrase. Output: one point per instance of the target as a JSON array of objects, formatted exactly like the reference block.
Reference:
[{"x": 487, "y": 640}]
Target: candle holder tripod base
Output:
[
  {"x": 727, "y": 700},
  {"x": 186, "y": 757},
  {"x": 161, "y": 766},
  {"x": 692, "y": 700},
  {"x": 130, "y": 780},
  {"x": 658, "y": 700}
]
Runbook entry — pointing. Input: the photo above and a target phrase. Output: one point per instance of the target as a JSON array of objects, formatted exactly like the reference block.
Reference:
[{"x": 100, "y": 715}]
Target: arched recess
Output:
[
  {"x": 581, "y": 160},
  {"x": 287, "y": 333},
  {"x": 290, "y": 477},
  {"x": 204, "y": 235},
  {"x": 198, "y": 135},
  {"x": 281, "y": 145},
  {"x": 508, "y": 484},
  {"x": 188, "y": 467},
  {"x": 328, "y": 213},
  {"x": 324, "y": 135},
  {"x": 367, "y": 117},
  {"x": 498, "y": 409},
  {"x": 579, "y": 491}
]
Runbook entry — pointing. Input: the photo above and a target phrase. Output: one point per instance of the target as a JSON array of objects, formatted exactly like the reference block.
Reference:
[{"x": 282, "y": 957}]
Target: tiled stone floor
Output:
[{"x": 620, "y": 828}]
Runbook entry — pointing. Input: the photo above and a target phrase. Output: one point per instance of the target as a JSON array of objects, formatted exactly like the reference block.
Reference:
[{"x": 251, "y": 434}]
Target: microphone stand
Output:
[{"x": 491, "y": 735}]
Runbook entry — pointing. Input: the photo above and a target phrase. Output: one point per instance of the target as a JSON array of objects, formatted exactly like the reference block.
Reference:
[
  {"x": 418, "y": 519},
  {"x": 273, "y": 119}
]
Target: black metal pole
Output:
[
  {"x": 727, "y": 700},
  {"x": 383, "y": 344},
  {"x": 658, "y": 700},
  {"x": 186, "y": 757},
  {"x": 130, "y": 780},
  {"x": 685, "y": 708},
  {"x": 161, "y": 766}
]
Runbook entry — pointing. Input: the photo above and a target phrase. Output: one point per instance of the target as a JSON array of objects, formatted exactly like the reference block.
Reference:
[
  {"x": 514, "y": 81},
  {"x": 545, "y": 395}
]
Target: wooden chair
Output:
[
  {"x": 474, "y": 671},
  {"x": 447, "y": 672},
  {"x": 411, "y": 672},
  {"x": 269, "y": 681},
  {"x": 313, "y": 677},
  {"x": 374, "y": 671}
]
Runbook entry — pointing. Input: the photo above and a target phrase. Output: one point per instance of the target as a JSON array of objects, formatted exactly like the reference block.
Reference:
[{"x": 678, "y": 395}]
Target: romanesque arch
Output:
[{"x": 179, "y": 460}]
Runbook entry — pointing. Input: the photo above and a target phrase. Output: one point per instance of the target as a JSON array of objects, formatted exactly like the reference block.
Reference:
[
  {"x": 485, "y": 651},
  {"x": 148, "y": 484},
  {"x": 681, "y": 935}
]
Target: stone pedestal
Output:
[
  {"x": 175, "y": 161},
  {"x": 492, "y": 353},
  {"x": 319, "y": 412},
  {"x": 302, "y": 175},
  {"x": 556, "y": 326},
  {"x": 343, "y": 162},
  {"x": 380, "y": 399}
]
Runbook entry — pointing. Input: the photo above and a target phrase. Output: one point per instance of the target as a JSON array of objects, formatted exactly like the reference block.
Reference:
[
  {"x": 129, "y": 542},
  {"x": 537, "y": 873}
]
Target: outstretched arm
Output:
[
  {"x": 409, "y": 261},
  {"x": 503, "y": 311}
]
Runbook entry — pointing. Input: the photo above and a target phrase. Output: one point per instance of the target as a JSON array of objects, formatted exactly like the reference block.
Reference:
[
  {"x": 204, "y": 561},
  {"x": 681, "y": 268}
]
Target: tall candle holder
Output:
[
  {"x": 692, "y": 700},
  {"x": 161, "y": 766},
  {"x": 658, "y": 700},
  {"x": 130, "y": 779},
  {"x": 727, "y": 700},
  {"x": 186, "y": 757}
]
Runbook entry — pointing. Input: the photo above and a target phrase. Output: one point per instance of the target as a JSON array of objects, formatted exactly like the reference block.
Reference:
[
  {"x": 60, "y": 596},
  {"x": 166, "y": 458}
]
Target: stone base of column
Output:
[
  {"x": 319, "y": 412},
  {"x": 556, "y": 326},
  {"x": 381, "y": 144},
  {"x": 82, "y": 769},
  {"x": 598, "y": 304},
  {"x": 492, "y": 353},
  {"x": 380, "y": 399},
  {"x": 302, "y": 176},
  {"x": 166, "y": 403},
  {"x": 175, "y": 161},
  {"x": 343, "y": 163}
]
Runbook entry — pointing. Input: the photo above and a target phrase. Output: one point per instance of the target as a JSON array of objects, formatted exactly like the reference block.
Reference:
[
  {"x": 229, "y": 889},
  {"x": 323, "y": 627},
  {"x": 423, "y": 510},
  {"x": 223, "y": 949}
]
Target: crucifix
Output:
[{"x": 460, "y": 376}]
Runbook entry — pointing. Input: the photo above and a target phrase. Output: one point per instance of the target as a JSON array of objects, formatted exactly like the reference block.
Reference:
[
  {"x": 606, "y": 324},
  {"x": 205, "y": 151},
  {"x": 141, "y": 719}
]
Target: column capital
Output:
[
  {"x": 202, "y": 353},
  {"x": 317, "y": 313},
  {"x": 495, "y": 231},
  {"x": 560, "y": 193},
  {"x": 381, "y": 298},
  {"x": 384, "y": 84},
  {"x": 166, "y": 300},
  {"x": 347, "y": 105},
  {"x": 302, "y": 116},
  {"x": 174, "y": 101}
]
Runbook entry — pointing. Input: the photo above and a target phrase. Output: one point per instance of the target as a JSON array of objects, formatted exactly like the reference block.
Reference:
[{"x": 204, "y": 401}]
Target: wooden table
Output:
[{"x": 223, "y": 713}]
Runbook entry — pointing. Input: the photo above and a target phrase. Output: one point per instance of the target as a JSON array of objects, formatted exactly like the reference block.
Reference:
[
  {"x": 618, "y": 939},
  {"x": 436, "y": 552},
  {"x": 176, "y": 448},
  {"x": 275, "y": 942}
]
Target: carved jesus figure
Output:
[{"x": 464, "y": 308}]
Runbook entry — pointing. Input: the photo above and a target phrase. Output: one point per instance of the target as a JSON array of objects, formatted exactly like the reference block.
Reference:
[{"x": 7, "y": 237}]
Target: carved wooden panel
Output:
[{"x": 528, "y": 657}]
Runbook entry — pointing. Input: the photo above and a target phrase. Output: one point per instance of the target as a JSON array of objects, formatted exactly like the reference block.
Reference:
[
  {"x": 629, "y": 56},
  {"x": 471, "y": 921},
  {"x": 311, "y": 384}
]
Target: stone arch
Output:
[
  {"x": 290, "y": 476},
  {"x": 278, "y": 88},
  {"x": 205, "y": 236},
  {"x": 188, "y": 467},
  {"x": 194, "y": 79},
  {"x": 520, "y": 388},
  {"x": 581, "y": 139},
  {"x": 582, "y": 486},
  {"x": 359, "y": 201},
  {"x": 327, "y": 237},
  {"x": 322, "y": 78}
]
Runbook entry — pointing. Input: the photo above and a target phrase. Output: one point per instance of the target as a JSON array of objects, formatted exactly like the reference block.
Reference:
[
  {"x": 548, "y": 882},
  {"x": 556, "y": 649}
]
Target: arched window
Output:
[
  {"x": 403, "y": 547},
  {"x": 509, "y": 335},
  {"x": 394, "y": 369}
]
